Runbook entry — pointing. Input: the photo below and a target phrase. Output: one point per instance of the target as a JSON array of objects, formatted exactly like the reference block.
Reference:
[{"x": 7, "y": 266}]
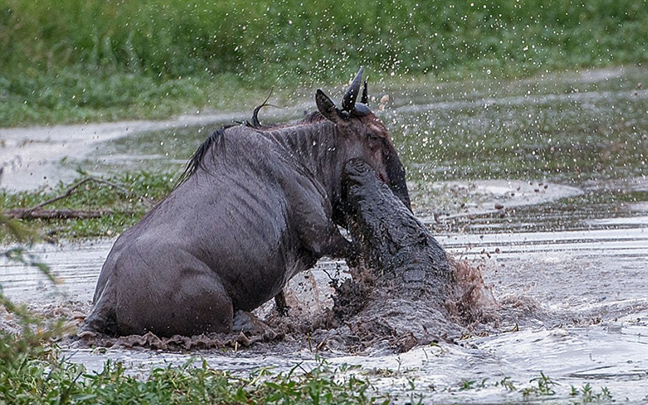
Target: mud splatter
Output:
[
  {"x": 361, "y": 317},
  {"x": 366, "y": 317}
]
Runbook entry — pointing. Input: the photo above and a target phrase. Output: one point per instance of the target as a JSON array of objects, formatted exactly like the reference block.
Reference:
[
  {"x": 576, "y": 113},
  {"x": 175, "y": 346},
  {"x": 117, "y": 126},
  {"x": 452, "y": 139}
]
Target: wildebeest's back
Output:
[{"x": 245, "y": 207}]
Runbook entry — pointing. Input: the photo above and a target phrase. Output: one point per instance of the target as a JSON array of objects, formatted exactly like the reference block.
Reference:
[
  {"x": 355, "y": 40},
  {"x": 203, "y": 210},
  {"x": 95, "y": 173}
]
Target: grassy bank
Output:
[
  {"x": 36, "y": 378},
  {"x": 90, "y": 207},
  {"x": 75, "y": 60}
]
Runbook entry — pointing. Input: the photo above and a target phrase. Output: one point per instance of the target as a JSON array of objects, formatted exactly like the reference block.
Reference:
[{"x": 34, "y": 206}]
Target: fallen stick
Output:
[
  {"x": 55, "y": 214},
  {"x": 37, "y": 211}
]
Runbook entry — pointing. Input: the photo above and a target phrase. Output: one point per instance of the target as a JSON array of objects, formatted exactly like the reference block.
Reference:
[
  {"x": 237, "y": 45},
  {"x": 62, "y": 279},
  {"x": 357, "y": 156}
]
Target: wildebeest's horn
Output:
[
  {"x": 350, "y": 97},
  {"x": 365, "y": 96}
]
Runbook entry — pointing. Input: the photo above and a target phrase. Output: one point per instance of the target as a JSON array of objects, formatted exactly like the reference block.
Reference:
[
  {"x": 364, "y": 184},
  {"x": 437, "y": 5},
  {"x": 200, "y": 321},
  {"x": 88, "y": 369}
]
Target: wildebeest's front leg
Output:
[
  {"x": 313, "y": 219},
  {"x": 323, "y": 238}
]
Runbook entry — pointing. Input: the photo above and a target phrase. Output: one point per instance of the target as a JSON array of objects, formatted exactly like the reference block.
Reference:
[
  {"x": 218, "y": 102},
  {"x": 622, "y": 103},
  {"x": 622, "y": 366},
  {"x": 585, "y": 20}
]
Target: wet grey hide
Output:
[{"x": 257, "y": 206}]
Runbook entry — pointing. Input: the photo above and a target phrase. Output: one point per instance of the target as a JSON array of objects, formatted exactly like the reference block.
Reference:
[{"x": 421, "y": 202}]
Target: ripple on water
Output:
[{"x": 574, "y": 304}]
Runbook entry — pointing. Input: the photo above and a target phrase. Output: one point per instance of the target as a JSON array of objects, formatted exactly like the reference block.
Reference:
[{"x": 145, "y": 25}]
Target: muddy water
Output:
[
  {"x": 561, "y": 235},
  {"x": 573, "y": 306}
]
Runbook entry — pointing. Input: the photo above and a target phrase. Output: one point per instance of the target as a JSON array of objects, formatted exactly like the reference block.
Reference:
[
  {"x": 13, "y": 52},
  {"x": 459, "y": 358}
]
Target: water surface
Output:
[{"x": 541, "y": 182}]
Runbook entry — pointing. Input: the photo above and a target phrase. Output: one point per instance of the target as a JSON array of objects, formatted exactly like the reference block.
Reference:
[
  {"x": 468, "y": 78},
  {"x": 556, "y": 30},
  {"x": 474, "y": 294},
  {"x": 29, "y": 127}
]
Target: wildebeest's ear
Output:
[{"x": 328, "y": 109}]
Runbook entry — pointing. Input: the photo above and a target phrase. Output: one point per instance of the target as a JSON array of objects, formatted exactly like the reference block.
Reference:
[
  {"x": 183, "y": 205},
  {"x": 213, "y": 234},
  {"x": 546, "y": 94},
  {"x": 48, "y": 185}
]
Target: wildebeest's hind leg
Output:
[
  {"x": 170, "y": 292},
  {"x": 199, "y": 304},
  {"x": 207, "y": 307}
]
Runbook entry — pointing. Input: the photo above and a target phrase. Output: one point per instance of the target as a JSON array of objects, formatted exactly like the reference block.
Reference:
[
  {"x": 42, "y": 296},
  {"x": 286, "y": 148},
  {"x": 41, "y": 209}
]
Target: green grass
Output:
[
  {"x": 76, "y": 60},
  {"x": 128, "y": 196},
  {"x": 49, "y": 381},
  {"x": 587, "y": 395}
]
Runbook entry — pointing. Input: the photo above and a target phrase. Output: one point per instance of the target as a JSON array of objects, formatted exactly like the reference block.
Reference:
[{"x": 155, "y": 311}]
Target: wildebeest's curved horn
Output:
[
  {"x": 365, "y": 96},
  {"x": 255, "y": 116},
  {"x": 351, "y": 95}
]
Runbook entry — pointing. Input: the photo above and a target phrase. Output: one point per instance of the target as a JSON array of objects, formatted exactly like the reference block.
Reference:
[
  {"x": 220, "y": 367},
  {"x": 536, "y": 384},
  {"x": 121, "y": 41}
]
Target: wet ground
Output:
[{"x": 541, "y": 183}]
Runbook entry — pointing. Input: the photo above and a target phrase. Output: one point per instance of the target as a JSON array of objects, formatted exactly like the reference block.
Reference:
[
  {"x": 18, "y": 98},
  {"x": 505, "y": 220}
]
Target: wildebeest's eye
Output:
[{"x": 372, "y": 137}]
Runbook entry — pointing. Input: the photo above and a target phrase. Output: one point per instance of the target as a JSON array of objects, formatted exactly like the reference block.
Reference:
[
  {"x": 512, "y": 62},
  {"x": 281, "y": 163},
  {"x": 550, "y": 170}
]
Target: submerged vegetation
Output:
[{"x": 73, "y": 60}]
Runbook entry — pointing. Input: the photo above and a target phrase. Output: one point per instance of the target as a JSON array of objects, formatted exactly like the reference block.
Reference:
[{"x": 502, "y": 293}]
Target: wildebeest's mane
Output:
[
  {"x": 198, "y": 156},
  {"x": 196, "y": 160},
  {"x": 309, "y": 118}
]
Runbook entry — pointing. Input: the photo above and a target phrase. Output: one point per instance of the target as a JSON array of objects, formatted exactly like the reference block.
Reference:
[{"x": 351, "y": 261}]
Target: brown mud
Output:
[
  {"x": 369, "y": 316},
  {"x": 364, "y": 318}
]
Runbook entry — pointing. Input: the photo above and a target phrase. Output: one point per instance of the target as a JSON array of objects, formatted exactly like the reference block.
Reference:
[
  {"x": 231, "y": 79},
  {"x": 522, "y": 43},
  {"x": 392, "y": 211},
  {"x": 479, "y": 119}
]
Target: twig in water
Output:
[{"x": 37, "y": 210}]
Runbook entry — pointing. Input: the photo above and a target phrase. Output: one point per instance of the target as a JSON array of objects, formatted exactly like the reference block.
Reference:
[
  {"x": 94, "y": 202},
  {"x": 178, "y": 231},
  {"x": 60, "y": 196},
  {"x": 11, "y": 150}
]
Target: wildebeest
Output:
[{"x": 257, "y": 205}]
